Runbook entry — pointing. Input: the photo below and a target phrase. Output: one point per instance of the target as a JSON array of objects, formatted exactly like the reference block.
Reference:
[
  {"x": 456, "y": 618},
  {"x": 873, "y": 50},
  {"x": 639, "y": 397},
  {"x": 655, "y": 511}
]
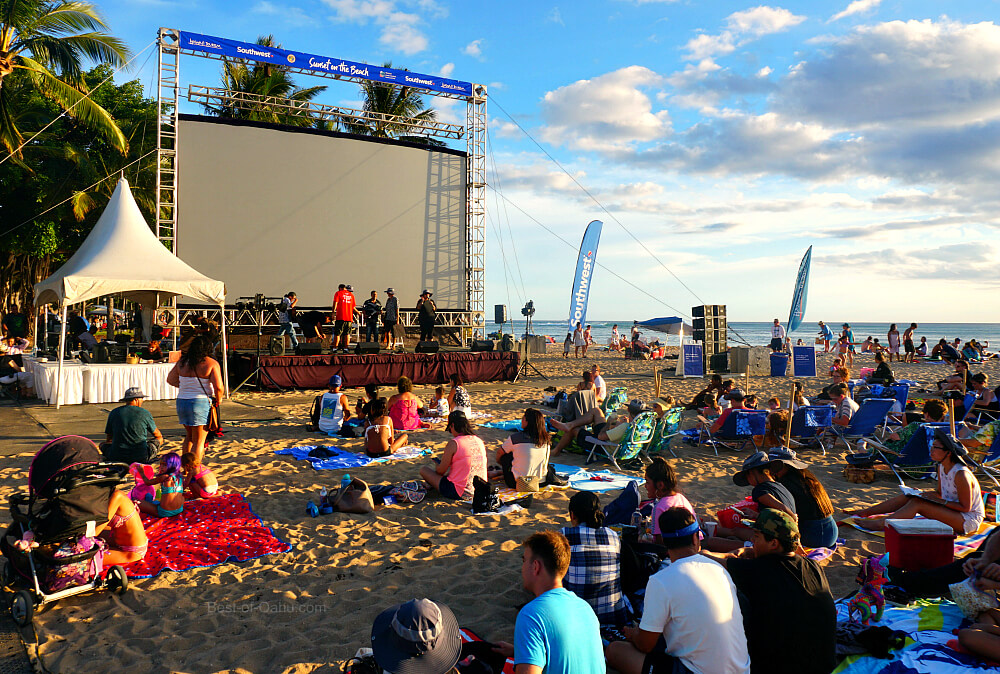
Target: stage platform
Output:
[{"x": 313, "y": 372}]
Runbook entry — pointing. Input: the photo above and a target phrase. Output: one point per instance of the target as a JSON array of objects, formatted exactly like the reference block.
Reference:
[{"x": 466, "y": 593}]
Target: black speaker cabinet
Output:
[
  {"x": 427, "y": 347},
  {"x": 367, "y": 348},
  {"x": 311, "y": 349},
  {"x": 499, "y": 313},
  {"x": 482, "y": 345},
  {"x": 276, "y": 345}
]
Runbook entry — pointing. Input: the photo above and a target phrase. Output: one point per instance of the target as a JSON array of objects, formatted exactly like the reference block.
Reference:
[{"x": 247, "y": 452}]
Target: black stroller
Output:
[{"x": 50, "y": 548}]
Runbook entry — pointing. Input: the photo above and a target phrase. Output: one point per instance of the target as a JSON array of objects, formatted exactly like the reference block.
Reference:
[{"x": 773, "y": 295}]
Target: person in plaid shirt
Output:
[{"x": 594, "y": 568}]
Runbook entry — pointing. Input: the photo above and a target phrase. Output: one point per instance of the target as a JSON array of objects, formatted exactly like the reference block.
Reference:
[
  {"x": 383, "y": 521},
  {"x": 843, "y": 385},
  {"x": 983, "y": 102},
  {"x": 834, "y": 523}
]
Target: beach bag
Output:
[
  {"x": 485, "y": 497},
  {"x": 731, "y": 518},
  {"x": 214, "y": 425},
  {"x": 356, "y": 498},
  {"x": 971, "y": 599},
  {"x": 73, "y": 572},
  {"x": 314, "y": 411}
]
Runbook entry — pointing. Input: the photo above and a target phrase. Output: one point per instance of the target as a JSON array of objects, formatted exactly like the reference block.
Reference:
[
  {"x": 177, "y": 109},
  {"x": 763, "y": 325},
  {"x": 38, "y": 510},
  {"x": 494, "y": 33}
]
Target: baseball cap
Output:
[
  {"x": 132, "y": 393},
  {"x": 786, "y": 456},
  {"x": 777, "y": 524},
  {"x": 335, "y": 380},
  {"x": 350, "y": 287},
  {"x": 735, "y": 394}
]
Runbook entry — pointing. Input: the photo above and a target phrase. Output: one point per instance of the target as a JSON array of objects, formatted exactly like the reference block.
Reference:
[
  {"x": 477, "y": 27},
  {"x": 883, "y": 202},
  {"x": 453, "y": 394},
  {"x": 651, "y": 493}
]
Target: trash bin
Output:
[{"x": 779, "y": 364}]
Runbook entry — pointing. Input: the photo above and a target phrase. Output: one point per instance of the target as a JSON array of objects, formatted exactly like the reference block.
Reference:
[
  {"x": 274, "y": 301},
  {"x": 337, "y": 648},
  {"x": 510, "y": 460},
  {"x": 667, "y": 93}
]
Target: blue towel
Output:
[
  {"x": 512, "y": 425},
  {"x": 340, "y": 460}
]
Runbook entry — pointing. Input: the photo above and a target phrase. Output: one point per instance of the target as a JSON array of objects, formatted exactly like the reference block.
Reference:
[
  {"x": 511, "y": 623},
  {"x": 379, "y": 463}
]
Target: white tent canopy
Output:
[{"x": 122, "y": 255}]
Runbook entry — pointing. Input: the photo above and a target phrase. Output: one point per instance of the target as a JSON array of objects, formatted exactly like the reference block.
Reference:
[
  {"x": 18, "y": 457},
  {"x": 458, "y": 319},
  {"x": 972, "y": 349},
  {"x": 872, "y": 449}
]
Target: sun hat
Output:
[
  {"x": 777, "y": 524},
  {"x": 416, "y": 637},
  {"x": 132, "y": 393},
  {"x": 755, "y": 460},
  {"x": 957, "y": 449},
  {"x": 786, "y": 456},
  {"x": 426, "y": 292},
  {"x": 390, "y": 291},
  {"x": 335, "y": 380}
]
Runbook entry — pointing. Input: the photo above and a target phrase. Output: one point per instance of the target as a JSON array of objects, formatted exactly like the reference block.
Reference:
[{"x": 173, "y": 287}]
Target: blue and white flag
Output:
[
  {"x": 799, "y": 296},
  {"x": 585, "y": 264}
]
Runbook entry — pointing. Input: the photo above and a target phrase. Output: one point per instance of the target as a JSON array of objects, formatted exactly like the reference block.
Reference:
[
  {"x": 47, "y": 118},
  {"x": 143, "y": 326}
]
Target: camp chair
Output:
[
  {"x": 978, "y": 416},
  {"x": 638, "y": 435},
  {"x": 989, "y": 461},
  {"x": 808, "y": 424},
  {"x": 915, "y": 459},
  {"x": 864, "y": 424},
  {"x": 668, "y": 427},
  {"x": 739, "y": 427},
  {"x": 615, "y": 399}
]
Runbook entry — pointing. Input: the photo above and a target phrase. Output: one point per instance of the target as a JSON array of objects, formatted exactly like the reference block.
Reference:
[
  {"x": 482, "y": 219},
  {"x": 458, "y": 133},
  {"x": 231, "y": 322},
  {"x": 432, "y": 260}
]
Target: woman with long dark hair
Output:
[
  {"x": 817, "y": 528},
  {"x": 199, "y": 378},
  {"x": 594, "y": 566},
  {"x": 524, "y": 455},
  {"x": 464, "y": 459}
]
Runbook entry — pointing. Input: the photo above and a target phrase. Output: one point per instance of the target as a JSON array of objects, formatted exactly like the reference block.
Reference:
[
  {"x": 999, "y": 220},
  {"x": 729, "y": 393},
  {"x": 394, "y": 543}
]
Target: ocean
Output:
[{"x": 759, "y": 334}]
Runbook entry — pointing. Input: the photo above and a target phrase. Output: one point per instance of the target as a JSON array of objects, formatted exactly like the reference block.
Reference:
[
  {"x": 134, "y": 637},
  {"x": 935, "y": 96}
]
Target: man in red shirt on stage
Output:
[{"x": 343, "y": 314}]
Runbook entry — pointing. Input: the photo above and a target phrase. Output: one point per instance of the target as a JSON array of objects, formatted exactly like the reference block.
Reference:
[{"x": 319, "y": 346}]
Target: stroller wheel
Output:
[
  {"x": 6, "y": 574},
  {"x": 22, "y": 607},
  {"x": 117, "y": 579}
]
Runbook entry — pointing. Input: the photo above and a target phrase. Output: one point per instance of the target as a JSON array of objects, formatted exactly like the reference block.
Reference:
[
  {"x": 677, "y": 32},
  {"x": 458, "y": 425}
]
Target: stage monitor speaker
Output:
[
  {"x": 85, "y": 358},
  {"x": 311, "y": 349},
  {"x": 500, "y": 313},
  {"x": 482, "y": 345},
  {"x": 101, "y": 354},
  {"x": 276, "y": 345},
  {"x": 367, "y": 348},
  {"x": 427, "y": 347},
  {"x": 123, "y": 337}
]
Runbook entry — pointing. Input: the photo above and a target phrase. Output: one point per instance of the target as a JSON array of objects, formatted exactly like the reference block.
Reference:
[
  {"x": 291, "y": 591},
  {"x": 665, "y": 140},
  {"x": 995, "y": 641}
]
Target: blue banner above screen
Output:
[{"x": 320, "y": 64}]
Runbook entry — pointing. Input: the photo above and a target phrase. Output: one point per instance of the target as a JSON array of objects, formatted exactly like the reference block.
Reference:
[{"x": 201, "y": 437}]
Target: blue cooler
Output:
[{"x": 779, "y": 364}]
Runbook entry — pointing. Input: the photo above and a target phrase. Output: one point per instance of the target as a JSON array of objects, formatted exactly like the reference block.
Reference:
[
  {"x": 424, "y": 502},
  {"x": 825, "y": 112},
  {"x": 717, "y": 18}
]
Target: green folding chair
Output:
[
  {"x": 638, "y": 436},
  {"x": 668, "y": 427},
  {"x": 617, "y": 398}
]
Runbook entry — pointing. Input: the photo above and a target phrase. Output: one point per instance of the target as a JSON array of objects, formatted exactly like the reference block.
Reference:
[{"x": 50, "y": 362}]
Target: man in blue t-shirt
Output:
[
  {"x": 132, "y": 435},
  {"x": 556, "y": 632}
]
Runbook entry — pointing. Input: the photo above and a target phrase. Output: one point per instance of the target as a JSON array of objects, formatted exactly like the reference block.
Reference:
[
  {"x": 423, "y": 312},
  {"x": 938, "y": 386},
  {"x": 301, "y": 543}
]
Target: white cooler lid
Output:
[{"x": 921, "y": 526}]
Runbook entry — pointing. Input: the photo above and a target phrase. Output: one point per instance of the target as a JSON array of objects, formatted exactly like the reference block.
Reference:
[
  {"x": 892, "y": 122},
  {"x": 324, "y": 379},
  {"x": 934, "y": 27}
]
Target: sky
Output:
[{"x": 716, "y": 141}]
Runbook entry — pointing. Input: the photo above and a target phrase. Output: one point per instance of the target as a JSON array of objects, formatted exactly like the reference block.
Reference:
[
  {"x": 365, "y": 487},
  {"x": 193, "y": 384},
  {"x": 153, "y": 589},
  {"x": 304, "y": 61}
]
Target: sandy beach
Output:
[{"x": 310, "y": 609}]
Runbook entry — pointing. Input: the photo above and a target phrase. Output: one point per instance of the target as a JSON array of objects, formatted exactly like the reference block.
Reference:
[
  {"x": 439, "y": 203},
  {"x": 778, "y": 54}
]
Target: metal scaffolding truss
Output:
[
  {"x": 168, "y": 99},
  {"x": 216, "y": 98}
]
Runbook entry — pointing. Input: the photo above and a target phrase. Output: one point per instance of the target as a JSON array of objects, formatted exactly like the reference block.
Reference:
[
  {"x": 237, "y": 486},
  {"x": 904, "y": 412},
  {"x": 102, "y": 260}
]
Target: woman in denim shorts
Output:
[{"x": 199, "y": 378}]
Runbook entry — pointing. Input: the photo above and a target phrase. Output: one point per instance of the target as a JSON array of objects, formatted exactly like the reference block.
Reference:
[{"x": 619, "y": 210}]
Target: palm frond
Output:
[
  {"x": 10, "y": 137},
  {"x": 67, "y": 17}
]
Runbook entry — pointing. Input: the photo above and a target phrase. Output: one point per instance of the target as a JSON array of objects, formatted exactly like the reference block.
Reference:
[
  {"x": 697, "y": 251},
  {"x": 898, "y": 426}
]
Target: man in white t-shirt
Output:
[
  {"x": 692, "y": 604},
  {"x": 777, "y": 335},
  {"x": 600, "y": 386},
  {"x": 334, "y": 410}
]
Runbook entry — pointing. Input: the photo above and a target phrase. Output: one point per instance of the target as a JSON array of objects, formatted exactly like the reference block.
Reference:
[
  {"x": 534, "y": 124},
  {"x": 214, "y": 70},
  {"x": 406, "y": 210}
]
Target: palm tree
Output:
[
  {"x": 392, "y": 100},
  {"x": 48, "y": 40},
  {"x": 263, "y": 79}
]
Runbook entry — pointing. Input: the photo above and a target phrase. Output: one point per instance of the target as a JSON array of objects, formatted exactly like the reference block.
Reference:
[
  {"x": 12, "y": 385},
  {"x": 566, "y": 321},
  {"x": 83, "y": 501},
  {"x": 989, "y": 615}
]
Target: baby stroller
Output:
[{"x": 50, "y": 548}]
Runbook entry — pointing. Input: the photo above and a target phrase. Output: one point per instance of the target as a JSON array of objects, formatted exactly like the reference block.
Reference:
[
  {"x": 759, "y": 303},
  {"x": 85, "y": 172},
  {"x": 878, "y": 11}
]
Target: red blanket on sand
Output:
[{"x": 209, "y": 532}]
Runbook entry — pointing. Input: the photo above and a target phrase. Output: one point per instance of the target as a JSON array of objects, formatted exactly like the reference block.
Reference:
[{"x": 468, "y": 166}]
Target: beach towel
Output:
[
  {"x": 403, "y": 454},
  {"x": 209, "y": 532},
  {"x": 328, "y": 457},
  {"x": 929, "y": 626},
  {"x": 582, "y": 479},
  {"x": 963, "y": 544},
  {"x": 819, "y": 554},
  {"x": 512, "y": 425}
]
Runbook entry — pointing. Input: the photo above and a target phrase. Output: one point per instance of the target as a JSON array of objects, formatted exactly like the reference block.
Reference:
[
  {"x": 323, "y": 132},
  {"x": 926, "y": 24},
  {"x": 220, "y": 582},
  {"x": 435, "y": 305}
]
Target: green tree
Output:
[
  {"x": 263, "y": 79},
  {"x": 387, "y": 99},
  {"x": 48, "y": 41}
]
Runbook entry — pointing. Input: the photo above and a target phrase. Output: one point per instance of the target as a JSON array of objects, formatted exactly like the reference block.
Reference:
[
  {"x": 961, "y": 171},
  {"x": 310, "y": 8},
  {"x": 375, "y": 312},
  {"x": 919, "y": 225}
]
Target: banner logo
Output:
[{"x": 584, "y": 274}]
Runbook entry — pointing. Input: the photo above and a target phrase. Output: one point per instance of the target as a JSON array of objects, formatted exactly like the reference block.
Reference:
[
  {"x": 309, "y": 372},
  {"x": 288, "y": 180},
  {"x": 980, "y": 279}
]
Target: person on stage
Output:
[
  {"x": 286, "y": 311},
  {"x": 371, "y": 310},
  {"x": 344, "y": 306},
  {"x": 390, "y": 317},
  {"x": 426, "y": 315},
  {"x": 311, "y": 323}
]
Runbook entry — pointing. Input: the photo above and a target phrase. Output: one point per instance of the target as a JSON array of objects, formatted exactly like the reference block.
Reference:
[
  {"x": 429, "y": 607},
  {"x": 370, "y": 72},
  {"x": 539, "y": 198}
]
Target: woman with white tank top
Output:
[{"x": 199, "y": 378}]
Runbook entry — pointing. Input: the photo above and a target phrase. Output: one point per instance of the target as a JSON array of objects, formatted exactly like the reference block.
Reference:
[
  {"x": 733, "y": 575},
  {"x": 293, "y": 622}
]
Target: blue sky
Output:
[{"x": 726, "y": 136}]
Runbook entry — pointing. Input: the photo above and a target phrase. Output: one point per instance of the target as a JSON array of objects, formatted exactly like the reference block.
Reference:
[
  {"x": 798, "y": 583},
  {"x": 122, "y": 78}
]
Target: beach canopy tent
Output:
[
  {"x": 122, "y": 255},
  {"x": 672, "y": 325}
]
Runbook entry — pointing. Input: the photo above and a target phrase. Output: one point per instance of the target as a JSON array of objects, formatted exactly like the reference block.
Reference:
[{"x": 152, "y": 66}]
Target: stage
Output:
[{"x": 313, "y": 372}]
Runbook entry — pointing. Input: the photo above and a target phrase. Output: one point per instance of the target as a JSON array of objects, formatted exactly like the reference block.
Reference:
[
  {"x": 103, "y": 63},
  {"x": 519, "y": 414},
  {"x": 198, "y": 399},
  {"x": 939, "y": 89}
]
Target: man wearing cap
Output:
[
  {"x": 557, "y": 632},
  {"x": 692, "y": 620},
  {"x": 416, "y": 637},
  {"x": 371, "y": 310},
  {"x": 334, "y": 410},
  {"x": 609, "y": 430},
  {"x": 735, "y": 398},
  {"x": 426, "y": 315},
  {"x": 777, "y": 335},
  {"x": 791, "y": 619},
  {"x": 344, "y": 306},
  {"x": 390, "y": 317},
  {"x": 128, "y": 431},
  {"x": 286, "y": 312}
]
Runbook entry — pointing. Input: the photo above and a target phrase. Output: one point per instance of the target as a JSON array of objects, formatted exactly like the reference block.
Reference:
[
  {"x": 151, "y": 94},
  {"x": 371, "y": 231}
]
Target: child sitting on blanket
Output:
[
  {"x": 439, "y": 404},
  {"x": 171, "y": 476},
  {"x": 199, "y": 479},
  {"x": 380, "y": 438},
  {"x": 662, "y": 485}
]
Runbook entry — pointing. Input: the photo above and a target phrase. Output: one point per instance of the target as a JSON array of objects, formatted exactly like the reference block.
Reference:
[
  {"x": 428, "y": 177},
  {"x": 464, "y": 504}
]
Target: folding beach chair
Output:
[
  {"x": 669, "y": 426},
  {"x": 915, "y": 459},
  {"x": 989, "y": 462},
  {"x": 739, "y": 427},
  {"x": 638, "y": 436},
  {"x": 864, "y": 424},
  {"x": 808, "y": 424},
  {"x": 615, "y": 399}
]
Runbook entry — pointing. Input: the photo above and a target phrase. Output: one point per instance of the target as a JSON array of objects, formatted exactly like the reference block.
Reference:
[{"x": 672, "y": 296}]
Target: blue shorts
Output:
[
  {"x": 193, "y": 411},
  {"x": 448, "y": 489}
]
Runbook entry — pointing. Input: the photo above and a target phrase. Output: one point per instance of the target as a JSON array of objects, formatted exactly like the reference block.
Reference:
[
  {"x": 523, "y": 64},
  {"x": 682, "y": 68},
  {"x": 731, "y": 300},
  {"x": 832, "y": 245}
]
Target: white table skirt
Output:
[
  {"x": 45, "y": 375},
  {"x": 108, "y": 383}
]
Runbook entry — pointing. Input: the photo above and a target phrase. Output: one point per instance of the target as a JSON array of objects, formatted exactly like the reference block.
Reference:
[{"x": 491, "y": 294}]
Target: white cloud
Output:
[
  {"x": 604, "y": 113},
  {"x": 741, "y": 28},
  {"x": 401, "y": 33},
  {"x": 951, "y": 262},
  {"x": 856, "y": 7},
  {"x": 473, "y": 49},
  {"x": 446, "y": 70},
  {"x": 555, "y": 16},
  {"x": 401, "y": 30},
  {"x": 764, "y": 72}
]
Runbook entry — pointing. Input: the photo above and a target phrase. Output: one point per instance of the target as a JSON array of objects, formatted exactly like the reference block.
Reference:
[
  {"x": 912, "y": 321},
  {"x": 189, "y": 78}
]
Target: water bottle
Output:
[
  {"x": 637, "y": 522},
  {"x": 344, "y": 481},
  {"x": 322, "y": 496}
]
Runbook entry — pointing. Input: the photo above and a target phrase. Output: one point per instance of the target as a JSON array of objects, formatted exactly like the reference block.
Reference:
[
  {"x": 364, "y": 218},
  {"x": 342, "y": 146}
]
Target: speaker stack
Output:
[
  {"x": 367, "y": 348},
  {"x": 426, "y": 347},
  {"x": 309, "y": 349},
  {"x": 482, "y": 345},
  {"x": 709, "y": 324}
]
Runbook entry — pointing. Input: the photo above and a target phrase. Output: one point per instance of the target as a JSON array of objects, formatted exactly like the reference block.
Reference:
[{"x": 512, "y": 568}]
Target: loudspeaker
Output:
[
  {"x": 276, "y": 345},
  {"x": 85, "y": 358},
  {"x": 499, "y": 313},
  {"x": 123, "y": 337},
  {"x": 367, "y": 348},
  {"x": 312, "y": 349},
  {"x": 482, "y": 345},
  {"x": 427, "y": 347}
]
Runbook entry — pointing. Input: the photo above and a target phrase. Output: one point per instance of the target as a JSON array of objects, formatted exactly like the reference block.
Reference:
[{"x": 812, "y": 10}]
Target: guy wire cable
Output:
[{"x": 506, "y": 216}]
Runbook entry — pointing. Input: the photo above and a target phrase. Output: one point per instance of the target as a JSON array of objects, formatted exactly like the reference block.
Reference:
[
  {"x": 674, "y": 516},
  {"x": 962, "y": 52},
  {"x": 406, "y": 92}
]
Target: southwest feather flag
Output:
[
  {"x": 585, "y": 264},
  {"x": 799, "y": 296}
]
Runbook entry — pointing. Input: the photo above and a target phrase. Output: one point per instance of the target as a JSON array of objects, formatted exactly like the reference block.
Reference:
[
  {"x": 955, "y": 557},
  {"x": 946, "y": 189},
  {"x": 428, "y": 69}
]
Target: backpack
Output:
[{"x": 314, "y": 411}]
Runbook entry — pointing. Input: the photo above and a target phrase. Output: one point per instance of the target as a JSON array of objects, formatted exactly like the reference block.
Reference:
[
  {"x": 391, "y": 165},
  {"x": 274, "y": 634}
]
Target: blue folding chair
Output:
[
  {"x": 808, "y": 424},
  {"x": 915, "y": 459},
  {"x": 739, "y": 427},
  {"x": 865, "y": 422}
]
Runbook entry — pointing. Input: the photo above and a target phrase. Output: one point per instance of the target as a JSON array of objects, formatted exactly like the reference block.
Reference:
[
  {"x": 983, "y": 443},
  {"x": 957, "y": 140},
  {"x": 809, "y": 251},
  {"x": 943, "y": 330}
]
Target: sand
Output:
[{"x": 310, "y": 609}]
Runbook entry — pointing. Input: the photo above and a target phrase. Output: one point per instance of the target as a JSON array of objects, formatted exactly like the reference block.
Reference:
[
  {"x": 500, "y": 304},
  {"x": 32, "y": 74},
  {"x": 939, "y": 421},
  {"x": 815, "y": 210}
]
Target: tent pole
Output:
[
  {"x": 62, "y": 351},
  {"x": 225, "y": 351}
]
